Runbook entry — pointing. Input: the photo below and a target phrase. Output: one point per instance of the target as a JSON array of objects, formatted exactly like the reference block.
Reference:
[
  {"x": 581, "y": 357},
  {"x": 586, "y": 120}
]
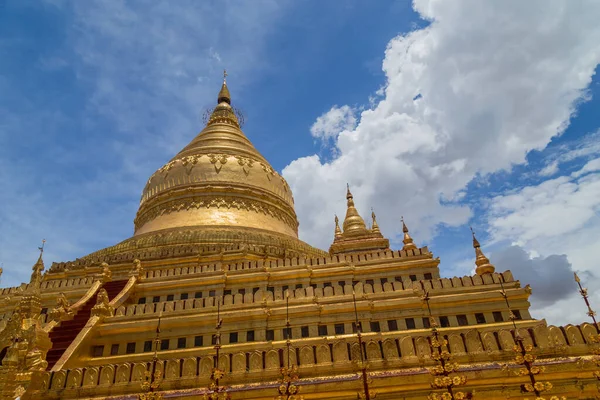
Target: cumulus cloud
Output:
[
  {"x": 559, "y": 220},
  {"x": 570, "y": 309},
  {"x": 470, "y": 94},
  {"x": 551, "y": 211},
  {"x": 334, "y": 121},
  {"x": 551, "y": 277}
]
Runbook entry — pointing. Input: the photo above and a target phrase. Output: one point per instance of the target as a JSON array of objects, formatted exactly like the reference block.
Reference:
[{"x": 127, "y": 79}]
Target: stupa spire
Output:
[
  {"x": 353, "y": 223},
  {"x": 224, "y": 112},
  {"x": 38, "y": 267},
  {"x": 338, "y": 231},
  {"x": 224, "y": 95},
  {"x": 481, "y": 261},
  {"x": 408, "y": 241},
  {"x": 375, "y": 226}
]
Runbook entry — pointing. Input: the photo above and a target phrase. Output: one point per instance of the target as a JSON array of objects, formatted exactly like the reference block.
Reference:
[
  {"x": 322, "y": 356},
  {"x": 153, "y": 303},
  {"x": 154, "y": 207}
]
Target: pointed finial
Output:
[
  {"x": 475, "y": 241},
  {"x": 36, "y": 276},
  {"x": 39, "y": 265},
  {"x": 404, "y": 228},
  {"x": 338, "y": 231},
  {"x": 42, "y": 248},
  {"x": 408, "y": 241},
  {"x": 481, "y": 261},
  {"x": 590, "y": 312},
  {"x": 375, "y": 226},
  {"x": 349, "y": 197},
  {"x": 224, "y": 95}
]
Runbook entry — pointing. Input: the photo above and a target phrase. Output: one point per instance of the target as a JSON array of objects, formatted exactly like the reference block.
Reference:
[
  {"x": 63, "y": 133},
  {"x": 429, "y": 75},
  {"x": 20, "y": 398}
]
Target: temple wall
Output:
[{"x": 316, "y": 357}]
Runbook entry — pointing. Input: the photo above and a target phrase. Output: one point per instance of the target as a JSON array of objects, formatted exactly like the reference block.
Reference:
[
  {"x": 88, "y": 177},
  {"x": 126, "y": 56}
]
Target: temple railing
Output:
[
  {"x": 308, "y": 293},
  {"x": 50, "y": 285},
  {"x": 288, "y": 262},
  {"x": 387, "y": 351},
  {"x": 125, "y": 254}
]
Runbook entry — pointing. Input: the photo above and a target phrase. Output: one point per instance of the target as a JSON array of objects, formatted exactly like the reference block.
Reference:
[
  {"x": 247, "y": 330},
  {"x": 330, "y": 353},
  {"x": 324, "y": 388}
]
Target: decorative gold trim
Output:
[
  {"x": 210, "y": 201},
  {"x": 179, "y": 242},
  {"x": 218, "y": 160}
]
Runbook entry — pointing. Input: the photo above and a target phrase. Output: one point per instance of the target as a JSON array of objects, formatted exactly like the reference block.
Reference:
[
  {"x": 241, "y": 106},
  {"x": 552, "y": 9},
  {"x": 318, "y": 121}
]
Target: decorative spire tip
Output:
[
  {"x": 42, "y": 248},
  {"x": 475, "y": 241},
  {"x": 408, "y": 241},
  {"x": 224, "y": 95}
]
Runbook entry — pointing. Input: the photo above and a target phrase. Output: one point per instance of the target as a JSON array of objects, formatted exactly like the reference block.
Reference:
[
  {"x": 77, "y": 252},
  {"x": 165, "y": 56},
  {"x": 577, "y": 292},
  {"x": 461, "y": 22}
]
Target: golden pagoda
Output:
[{"x": 216, "y": 239}]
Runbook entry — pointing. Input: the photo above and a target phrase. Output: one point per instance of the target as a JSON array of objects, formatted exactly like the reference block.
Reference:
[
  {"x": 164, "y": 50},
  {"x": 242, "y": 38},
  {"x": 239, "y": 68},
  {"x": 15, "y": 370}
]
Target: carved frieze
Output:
[{"x": 208, "y": 201}]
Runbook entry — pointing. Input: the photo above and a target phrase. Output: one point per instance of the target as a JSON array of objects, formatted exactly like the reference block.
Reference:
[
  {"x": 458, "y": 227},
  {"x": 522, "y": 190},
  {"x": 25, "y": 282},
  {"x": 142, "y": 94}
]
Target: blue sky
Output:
[{"x": 474, "y": 113}]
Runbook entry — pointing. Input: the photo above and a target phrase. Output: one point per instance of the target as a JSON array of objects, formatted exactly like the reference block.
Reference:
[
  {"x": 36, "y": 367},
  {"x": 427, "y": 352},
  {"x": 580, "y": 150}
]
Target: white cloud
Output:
[
  {"x": 334, "y": 121},
  {"x": 550, "y": 169},
  {"x": 583, "y": 148},
  {"x": 472, "y": 93},
  {"x": 559, "y": 220},
  {"x": 590, "y": 166},
  {"x": 570, "y": 309},
  {"x": 550, "y": 210}
]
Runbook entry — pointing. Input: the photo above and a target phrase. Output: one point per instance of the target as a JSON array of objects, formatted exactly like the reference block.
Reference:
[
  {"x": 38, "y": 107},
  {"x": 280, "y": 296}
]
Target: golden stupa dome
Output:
[
  {"x": 218, "y": 196},
  {"x": 219, "y": 179}
]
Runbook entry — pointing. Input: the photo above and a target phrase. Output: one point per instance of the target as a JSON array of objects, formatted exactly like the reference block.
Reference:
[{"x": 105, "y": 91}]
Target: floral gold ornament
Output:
[
  {"x": 594, "y": 338},
  {"x": 215, "y": 391},
  {"x": 366, "y": 393},
  {"x": 24, "y": 341},
  {"x": 524, "y": 356},
  {"x": 288, "y": 388},
  {"x": 443, "y": 380},
  {"x": 153, "y": 377}
]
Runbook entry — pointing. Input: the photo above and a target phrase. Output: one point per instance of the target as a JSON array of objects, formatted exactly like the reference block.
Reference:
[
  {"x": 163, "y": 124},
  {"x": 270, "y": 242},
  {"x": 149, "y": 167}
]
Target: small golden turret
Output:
[
  {"x": 355, "y": 236},
  {"x": 338, "y": 231},
  {"x": 353, "y": 223},
  {"x": 408, "y": 241},
  {"x": 482, "y": 262},
  {"x": 374, "y": 227}
]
